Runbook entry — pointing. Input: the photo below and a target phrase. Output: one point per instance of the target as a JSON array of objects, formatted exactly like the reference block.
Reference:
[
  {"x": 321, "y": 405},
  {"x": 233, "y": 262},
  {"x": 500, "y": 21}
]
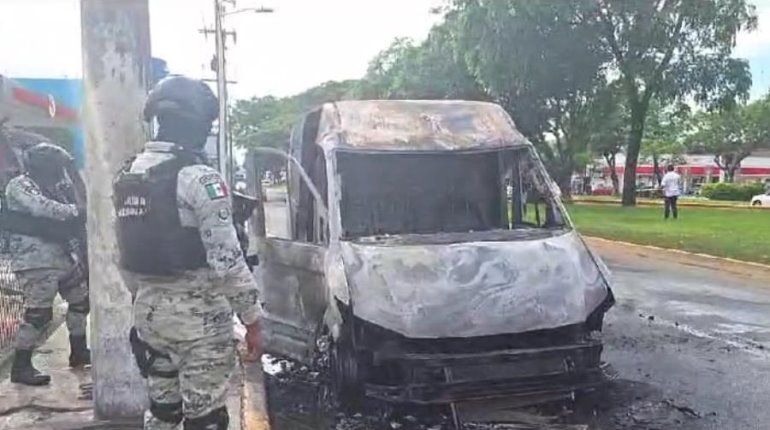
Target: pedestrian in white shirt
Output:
[{"x": 671, "y": 191}]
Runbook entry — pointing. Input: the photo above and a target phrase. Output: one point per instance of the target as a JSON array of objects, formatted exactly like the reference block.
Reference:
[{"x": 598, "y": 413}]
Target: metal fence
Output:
[{"x": 11, "y": 306}]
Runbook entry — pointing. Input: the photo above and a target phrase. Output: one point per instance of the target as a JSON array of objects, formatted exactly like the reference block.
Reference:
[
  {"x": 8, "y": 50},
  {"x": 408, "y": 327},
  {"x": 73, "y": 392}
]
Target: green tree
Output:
[
  {"x": 732, "y": 135},
  {"x": 433, "y": 69},
  {"x": 267, "y": 121},
  {"x": 542, "y": 66},
  {"x": 671, "y": 49},
  {"x": 664, "y": 138},
  {"x": 608, "y": 130}
]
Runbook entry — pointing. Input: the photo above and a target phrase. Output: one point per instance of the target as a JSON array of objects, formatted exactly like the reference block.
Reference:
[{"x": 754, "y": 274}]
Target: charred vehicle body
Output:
[{"x": 429, "y": 245}]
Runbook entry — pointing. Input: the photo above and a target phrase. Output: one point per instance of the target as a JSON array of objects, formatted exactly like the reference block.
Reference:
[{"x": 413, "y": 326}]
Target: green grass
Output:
[{"x": 733, "y": 233}]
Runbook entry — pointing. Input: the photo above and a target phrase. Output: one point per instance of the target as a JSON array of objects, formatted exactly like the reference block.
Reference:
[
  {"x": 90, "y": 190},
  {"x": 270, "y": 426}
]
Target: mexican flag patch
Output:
[{"x": 216, "y": 190}]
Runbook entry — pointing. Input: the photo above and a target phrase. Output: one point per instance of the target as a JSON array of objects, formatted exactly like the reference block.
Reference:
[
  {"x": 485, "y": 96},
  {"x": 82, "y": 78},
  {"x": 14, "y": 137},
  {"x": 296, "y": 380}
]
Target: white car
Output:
[{"x": 761, "y": 200}]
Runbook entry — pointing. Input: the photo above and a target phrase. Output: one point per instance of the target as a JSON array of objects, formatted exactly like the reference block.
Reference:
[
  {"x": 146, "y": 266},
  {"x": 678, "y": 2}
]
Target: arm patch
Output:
[{"x": 216, "y": 189}]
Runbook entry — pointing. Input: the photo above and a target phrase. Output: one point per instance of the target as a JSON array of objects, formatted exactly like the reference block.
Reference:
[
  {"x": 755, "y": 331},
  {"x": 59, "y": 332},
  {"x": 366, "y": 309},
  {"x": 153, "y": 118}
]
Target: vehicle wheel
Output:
[
  {"x": 757, "y": 203},
  {"x": 346, "y": 375}
]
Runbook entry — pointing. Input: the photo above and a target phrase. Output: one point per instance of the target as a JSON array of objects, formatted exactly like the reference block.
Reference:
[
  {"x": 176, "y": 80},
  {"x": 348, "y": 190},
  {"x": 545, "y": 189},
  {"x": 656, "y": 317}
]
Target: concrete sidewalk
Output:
[{"x": 67, "y": 403}]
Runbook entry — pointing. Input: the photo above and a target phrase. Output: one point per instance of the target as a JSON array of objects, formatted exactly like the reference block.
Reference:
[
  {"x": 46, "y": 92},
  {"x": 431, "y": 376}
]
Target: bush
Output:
[{"x": 731, "y": 191}]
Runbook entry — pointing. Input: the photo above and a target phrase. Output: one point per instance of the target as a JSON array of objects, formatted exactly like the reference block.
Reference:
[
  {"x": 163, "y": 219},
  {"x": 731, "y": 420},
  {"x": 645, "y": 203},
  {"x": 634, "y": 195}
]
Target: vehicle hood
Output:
[{"x": 475, "y": 289}]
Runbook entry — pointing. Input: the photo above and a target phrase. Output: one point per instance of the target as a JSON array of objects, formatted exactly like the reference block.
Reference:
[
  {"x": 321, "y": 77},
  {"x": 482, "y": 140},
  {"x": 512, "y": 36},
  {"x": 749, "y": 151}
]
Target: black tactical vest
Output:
[{"x": 151, "y": 238}]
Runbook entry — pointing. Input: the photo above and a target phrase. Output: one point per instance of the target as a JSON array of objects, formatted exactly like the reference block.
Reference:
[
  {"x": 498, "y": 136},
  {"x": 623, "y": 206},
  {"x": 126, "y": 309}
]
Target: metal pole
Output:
[
  {"x": 116, "y": 75},
  {"x": 223, "y": 148}
]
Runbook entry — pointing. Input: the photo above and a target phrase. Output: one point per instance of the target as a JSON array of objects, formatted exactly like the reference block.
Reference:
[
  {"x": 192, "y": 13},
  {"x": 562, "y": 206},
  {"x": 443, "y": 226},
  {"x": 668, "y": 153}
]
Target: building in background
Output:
[
  {"x": 50, "y": 107},
  {"x": 695, "y": 170}
]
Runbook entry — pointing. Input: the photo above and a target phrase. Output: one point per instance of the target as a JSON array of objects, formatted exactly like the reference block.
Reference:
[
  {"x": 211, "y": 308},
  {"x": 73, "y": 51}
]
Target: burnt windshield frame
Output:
[{"x": 431, "y": 207}]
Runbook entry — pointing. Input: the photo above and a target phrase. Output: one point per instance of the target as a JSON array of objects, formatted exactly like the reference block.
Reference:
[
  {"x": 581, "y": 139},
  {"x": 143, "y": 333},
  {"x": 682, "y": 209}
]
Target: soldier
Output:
[
  {"x": 183, "y": 262},
  {"x": 38, "y": 223}
]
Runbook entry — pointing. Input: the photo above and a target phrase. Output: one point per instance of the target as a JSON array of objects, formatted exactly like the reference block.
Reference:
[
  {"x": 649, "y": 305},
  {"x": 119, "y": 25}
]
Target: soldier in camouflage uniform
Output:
[
  {"x": 38, "y": 227},
  {"x": 183, "y": 263}
]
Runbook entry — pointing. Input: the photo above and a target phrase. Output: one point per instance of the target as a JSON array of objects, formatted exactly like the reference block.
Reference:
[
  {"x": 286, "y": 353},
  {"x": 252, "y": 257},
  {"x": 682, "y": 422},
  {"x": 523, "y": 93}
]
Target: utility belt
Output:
[{"x": 146, "y": 355}]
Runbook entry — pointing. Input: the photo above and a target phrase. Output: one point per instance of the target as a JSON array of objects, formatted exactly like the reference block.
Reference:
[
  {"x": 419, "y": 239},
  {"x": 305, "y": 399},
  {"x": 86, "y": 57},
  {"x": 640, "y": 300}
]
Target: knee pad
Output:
[
  {"x": 167, "y": 412},
  {"x": 83, "y": 307},
  {"x": 218, "y": 419},
  {"x": 38, "y": 317}
]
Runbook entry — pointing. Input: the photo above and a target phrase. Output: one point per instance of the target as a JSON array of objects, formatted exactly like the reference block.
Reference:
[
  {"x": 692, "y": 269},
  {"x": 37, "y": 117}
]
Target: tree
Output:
[
  {"x": 267, "y": 121},
  {"x": 664, "y": 141},
  {"x": 672, "y": 49},
  {"x": 431, "y": 70},
  {"x": 732, "y": 135},
  {"x": 542, "y": 66},
  {"x": 609, "y": 128}
]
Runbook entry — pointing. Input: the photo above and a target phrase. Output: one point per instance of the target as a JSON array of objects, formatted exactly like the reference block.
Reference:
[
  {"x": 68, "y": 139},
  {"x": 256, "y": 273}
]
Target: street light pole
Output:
[
  {"x": 224, "y": 151},
  {"x": 224, "y": 143}
]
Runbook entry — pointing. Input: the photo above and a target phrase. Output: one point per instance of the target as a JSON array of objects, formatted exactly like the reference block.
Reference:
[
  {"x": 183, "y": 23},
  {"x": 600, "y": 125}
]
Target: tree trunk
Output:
[
  {"x": 632, "y": 154},
  {"x": 656, "y": 169},
  {"x": 613, "y": 173},
  {"x": 565, "y": 184}
]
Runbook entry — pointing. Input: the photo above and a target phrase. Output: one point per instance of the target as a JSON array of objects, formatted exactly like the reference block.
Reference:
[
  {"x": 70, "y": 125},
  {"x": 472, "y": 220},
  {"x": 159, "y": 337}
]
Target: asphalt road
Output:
[
  {"x": 687, "y": 345},
  {"x": 690, "y": 339}
]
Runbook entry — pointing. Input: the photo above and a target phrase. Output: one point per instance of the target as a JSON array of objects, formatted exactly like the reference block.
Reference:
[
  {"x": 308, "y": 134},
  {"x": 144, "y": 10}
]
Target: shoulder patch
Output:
[
  {"x": 209, "y": 178},
  {"x": 216, "y": 190}
]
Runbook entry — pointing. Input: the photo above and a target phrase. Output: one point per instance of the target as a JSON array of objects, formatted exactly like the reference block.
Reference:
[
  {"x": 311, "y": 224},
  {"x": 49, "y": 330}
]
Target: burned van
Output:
[{"x": 428, "y": 244}]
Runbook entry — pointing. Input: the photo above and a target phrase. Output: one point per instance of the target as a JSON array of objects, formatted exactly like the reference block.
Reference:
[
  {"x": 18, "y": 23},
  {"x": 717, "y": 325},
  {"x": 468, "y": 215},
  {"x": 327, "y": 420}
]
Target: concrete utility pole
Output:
[
  {"x": 224, "y": 143},
  {"x": 224, "y": 150},
  {"x": 116, "y": 69}
]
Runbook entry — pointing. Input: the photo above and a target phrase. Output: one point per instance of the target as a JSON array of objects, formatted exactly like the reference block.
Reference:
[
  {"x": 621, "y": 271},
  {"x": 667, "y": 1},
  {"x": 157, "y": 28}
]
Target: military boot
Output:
[
  {"x": 23, "y": 372},
  {"x": 80, "y": 355}
]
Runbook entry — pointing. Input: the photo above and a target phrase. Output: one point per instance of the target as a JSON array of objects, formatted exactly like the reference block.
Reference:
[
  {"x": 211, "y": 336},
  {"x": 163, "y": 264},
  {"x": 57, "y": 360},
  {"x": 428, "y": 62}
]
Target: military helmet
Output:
[
  {"x": 46, "y": 157},
  {"x": 182, "y": 97}
]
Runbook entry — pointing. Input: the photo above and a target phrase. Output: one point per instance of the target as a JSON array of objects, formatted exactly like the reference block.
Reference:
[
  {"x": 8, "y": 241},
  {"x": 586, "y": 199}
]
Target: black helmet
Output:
[
  {"x": 182, "y": 97},
  {"x": 47, "y": 158}
]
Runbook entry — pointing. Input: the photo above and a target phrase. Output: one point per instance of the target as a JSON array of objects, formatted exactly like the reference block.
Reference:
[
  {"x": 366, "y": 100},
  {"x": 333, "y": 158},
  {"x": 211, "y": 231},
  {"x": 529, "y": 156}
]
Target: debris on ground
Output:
[{"x": 299, "y": 398}]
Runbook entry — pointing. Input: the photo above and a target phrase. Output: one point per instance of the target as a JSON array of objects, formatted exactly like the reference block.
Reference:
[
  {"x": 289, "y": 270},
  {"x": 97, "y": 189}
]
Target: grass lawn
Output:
[{"x": 734, "y": 233}]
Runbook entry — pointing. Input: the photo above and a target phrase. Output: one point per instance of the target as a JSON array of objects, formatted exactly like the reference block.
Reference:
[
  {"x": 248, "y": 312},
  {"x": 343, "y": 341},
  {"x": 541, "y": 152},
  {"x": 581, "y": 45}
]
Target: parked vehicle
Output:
[
  {"x": 408, "y": 260},
  {"x": 761, "y": 200}
]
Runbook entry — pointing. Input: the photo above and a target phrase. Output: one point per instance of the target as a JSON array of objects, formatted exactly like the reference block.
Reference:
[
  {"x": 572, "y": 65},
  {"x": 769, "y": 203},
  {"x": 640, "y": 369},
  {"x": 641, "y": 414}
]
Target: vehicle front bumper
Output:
[{"x": 439, "y": 378}]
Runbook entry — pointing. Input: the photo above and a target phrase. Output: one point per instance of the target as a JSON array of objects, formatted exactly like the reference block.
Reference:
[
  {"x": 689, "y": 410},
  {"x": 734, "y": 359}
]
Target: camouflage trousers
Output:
[
  {"x": 193, "y": 334},
  {"x": 40, "y": 287}
]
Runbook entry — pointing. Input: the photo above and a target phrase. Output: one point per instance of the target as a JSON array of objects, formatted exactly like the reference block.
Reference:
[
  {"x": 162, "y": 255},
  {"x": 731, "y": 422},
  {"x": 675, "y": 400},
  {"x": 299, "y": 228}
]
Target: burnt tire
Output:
[{"x": 346, "y": 372}]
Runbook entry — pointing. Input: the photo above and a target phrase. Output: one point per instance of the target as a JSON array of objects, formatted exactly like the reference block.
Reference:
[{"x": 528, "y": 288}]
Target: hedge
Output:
[{"x": 732, "y": 191}]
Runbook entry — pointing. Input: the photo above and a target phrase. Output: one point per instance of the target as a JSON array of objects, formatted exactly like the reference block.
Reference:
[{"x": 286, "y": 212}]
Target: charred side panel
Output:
[{"x": 293, "y": 294}]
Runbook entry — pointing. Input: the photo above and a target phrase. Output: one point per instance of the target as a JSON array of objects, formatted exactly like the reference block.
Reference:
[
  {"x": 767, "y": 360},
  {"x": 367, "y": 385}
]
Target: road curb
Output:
[
  {"x": 254, "y": 412},
  {"x": 707, "y": 257},
  {"x": 680, "y": 203}
]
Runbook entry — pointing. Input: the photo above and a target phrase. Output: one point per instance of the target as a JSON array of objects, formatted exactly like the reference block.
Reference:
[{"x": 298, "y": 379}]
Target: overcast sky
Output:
[{"x": 304, "y": 43}]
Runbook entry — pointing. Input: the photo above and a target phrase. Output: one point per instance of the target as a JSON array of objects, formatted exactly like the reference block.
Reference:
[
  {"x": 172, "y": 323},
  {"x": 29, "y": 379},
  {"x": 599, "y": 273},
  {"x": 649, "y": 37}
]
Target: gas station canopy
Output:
[{"x": 23, "y": 107}]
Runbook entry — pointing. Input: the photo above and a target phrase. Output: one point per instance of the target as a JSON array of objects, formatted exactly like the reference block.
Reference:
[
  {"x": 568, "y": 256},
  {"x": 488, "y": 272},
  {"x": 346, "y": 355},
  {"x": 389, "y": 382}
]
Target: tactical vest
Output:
[{"x": 151, "y": 238}]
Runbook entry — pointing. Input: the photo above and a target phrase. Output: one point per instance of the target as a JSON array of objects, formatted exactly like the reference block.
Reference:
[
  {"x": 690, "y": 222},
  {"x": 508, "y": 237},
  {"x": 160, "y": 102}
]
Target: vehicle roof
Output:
[{"x": 417, "y": 125}]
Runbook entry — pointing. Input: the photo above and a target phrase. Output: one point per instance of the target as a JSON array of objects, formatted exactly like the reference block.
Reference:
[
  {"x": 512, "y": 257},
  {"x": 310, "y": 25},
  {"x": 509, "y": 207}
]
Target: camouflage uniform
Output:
[
  {"x": 39, "y": 264},
  {"x": 187, "y": 319}
]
